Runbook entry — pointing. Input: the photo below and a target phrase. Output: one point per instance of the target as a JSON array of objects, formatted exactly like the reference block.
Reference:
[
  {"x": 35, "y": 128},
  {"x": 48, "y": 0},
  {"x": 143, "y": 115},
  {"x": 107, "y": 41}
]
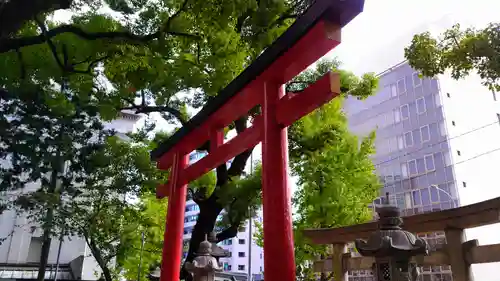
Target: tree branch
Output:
[
  {"x": 239, "y": 162},
  {"x": 14, "y": 13},
  {"x": 227, "y": 233},
  {"x": 21, "y": 63},
  {"x": 175, "y": 15},
  {"x": 7, "y": 44},
  {"x": 148, "y": 109},
  {"x": 52, "y": 47}
]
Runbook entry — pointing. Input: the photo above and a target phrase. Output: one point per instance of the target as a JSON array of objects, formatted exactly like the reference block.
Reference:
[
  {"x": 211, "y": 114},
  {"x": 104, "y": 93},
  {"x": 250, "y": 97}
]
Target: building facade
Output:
[
  {"x": 238, "y": 247},
  {"x": 424, "y": 142},
  {"x": 20, "y": 252},
  {"x": 413, "y": 155}
]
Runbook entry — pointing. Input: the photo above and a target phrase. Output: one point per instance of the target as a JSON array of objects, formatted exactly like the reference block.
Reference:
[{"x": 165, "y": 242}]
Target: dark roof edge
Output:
[{"x": 291, "y": 36}]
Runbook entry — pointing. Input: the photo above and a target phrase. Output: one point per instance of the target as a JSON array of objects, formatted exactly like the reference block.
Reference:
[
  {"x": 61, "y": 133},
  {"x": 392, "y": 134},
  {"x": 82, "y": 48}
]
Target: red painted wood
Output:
[
  {"x": 235, "y": 108},
  {"x": 325, "y": 37},
  {"x": 162, "y": 191},
  {"x": 292, "y": 108},
  {"x": 321, "y": 39},
  {"x": 172, "y": 246},
  {"x": 279, "y": 261},
  {"x": 247, "y": 139},
  {"x": 217, "y": 139}
]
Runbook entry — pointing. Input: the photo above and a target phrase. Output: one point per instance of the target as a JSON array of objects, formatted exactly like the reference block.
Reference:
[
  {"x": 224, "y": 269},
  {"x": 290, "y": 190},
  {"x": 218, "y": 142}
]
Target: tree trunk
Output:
[
  {"x": 47, "y": 230},
  {"x": 99, "y": 259},
  {"x": 209, "y": 210}
]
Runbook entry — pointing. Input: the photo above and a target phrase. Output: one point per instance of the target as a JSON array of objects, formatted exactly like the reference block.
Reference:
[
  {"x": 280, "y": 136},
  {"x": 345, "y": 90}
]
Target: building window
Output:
[
  {"x": 426, "y": 198},
  {"x": 191, "y": 208},
  {"x": 401, "y": 86},
  {"x": 260, "y": 255},
  {"x": 35, "y": 250},
  {"x": 397, "y": 116},
  {"x": 409, "y": 139},
  {"x": 230, "y": 254},
  {"x": 394, "y": 91},
  {"x": 416, "y": 80},
  {"x": 404, "y": 170},
  {"x": 241, "y": 254},
  {"x": 425, "y": 134},
  {"x": 421, "y": 108},
  {"x": 242, "y": 229},
  {"x": 442, "y": 128},
  {"x": 241, "y": 241},
  {"x": 229, "y": 267},
  {"x": 437, "y": 100},
  {"x": 458, "y": 152},
  {"x": 191, "y": 218},
  {"x": 261, "y": 269},
  {"x": 188, "y": 230},
  {"x": 416, "y": 198},
  {"x": 241, "y": 267},
  {"x": 447, "y": 158},
  {"x": 227, "y": 242},
  {"x": 453, "y": 123},
  {"x": 434, "y": 194},
  {"x": 405, "y": 112},
  {"x": 412, "y": 167},
  {"x": 429, "y": 162},
  {"x": 401, "y": 143},
  {"x": 464, "y": 184}
]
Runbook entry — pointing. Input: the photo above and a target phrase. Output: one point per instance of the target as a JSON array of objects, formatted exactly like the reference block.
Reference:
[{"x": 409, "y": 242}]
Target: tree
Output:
[
  {"x": 83, "y": 172},
  {"x": 41, "y": 146},
  {"x": 164, "y": 56},
  {"x": 459, "y": 50},
  {"x": 336, "y": 177},
  {"x": 104, "y": 214},
  {"x": 153, "y": 219}
]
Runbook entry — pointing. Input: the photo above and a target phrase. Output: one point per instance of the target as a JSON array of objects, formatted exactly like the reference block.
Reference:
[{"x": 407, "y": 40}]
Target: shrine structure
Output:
[{"x": 313, "y": 35}]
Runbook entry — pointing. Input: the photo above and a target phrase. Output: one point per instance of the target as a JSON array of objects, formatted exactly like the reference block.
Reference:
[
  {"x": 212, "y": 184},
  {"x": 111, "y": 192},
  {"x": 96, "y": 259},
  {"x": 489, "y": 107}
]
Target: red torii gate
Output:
[{"x": 312, "y": 35}]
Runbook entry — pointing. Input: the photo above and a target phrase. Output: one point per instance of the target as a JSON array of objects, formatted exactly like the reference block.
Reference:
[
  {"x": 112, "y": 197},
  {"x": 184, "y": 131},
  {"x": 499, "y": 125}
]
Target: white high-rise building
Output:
[
  {"x": 21, "y": 249},
  {"x": 238, "y": 247}
]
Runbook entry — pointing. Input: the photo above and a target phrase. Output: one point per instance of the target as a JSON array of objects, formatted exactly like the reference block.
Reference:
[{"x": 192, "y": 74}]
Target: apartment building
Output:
[
  {"x": 20, "y": 252},
  {"x": 431, "y": 133},
  {"x": 239, "y": 247}
]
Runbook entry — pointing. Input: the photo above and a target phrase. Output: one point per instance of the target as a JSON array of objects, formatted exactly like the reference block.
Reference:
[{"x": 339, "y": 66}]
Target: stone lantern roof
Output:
[
  {"x": 217, "y": 251},
  {"x": 390, "y": 240}
]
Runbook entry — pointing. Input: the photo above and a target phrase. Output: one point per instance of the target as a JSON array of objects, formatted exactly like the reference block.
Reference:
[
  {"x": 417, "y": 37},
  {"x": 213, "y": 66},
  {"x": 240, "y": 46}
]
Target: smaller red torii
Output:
[{"x": 312, "y": 35}]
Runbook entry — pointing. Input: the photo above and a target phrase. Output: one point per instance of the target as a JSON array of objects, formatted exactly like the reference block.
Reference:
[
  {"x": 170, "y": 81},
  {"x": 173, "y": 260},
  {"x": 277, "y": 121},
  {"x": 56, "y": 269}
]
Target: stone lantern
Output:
[
  {"x": 204, "y": 266},
  {"x": 392, "y": 247}
]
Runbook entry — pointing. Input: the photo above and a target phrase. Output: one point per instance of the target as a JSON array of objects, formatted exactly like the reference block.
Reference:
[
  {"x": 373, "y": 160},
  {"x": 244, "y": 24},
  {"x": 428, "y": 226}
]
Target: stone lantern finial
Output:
[
  {"x": 217, "y": 252},
  {"x": 392, "y": 246}
]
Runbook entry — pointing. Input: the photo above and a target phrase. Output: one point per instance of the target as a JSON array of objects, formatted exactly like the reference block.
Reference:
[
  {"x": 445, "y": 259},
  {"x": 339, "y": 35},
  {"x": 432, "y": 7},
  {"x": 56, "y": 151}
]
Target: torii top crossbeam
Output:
[{"x": 312, "y": 35}]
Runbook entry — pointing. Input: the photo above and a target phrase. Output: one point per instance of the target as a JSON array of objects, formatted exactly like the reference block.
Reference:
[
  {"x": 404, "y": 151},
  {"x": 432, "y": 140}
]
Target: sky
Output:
[{"x": 389, "y": 24}]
